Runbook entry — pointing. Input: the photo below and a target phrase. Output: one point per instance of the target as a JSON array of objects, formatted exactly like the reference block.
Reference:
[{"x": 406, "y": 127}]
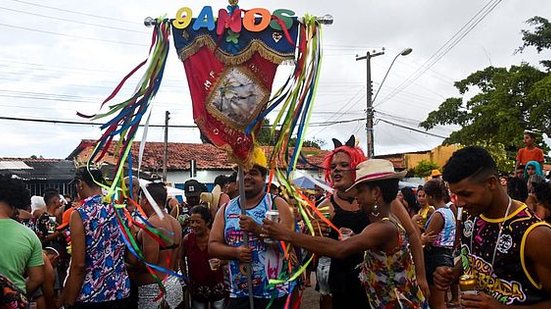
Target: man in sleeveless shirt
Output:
[
  {"x": 165, "y": 254},
  {"x": 97, "y": 274},
  {"x": 226, "y": 242},
  {"x": 504, "y": 246}
]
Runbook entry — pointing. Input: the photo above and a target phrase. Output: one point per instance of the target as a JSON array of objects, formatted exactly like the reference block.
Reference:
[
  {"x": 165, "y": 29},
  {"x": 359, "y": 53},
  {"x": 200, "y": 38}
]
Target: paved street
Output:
[{"x": 310, "y": 298}]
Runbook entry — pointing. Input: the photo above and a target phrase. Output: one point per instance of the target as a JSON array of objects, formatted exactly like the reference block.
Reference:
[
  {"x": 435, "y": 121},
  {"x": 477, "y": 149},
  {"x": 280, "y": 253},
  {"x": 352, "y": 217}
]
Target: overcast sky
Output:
[{"x": 59, "y": 57}]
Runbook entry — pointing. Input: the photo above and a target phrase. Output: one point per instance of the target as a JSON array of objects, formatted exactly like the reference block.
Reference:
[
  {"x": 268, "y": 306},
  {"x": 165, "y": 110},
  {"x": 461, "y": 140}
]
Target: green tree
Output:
[
  {"x": 504, "y": 159},
  {"x": 265, "y": 138},
  {"x": 498, "y": 104},
  {"x": 315, "y": 143},
  {"x": 502, "y": 108},
  {"x": 424, "y": 168},
  {"x": 540, "y": 38}
]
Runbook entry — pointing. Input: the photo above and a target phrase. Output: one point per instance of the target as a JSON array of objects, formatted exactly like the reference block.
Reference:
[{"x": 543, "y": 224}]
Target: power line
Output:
[
  {"x": 69, "y": 122},
  {"x": 72, "y": 36},
  {"x": 445, "y": 48},
  {"x": 59, "y": 121},
  {"x": 414, "y": 122},
  {"x": 79, "y": 22},
  {"x": 411, "y": 129},
  {"x": 351, "y": 101},
  {"x": 75, "y": 12}
]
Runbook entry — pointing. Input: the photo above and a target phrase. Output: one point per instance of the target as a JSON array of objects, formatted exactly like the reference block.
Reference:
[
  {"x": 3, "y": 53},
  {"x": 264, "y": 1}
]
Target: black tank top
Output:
[{"x": 343, "y": 275}]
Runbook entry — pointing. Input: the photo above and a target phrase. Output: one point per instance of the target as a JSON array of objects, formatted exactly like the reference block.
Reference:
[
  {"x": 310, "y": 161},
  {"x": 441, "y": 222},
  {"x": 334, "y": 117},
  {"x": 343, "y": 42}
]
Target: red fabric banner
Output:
[{"x": 226, "y": 98}]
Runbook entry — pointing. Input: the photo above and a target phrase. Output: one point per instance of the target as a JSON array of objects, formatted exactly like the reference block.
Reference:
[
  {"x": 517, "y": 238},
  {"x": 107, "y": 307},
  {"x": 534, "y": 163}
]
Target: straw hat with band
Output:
[{"x": 374, "y": 170}]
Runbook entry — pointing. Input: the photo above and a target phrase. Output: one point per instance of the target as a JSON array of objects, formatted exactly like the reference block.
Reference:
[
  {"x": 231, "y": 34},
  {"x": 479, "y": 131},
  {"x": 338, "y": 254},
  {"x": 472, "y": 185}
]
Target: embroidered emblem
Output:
[
  {"x": 504, "y": 243},
  {"x": 468, "y": 228},
  {"x": 277, "y": 36}
]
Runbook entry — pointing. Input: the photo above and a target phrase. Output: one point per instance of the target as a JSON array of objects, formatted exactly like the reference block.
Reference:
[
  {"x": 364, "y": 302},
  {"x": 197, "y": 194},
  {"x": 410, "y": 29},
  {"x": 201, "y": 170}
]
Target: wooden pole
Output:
[{"x": 243, "y": 204}]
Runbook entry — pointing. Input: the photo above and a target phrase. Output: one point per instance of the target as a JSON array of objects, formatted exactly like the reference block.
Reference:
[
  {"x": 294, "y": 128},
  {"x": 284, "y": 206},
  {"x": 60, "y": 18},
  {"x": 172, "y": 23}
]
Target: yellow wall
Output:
[{"x": 438, "y": 155}]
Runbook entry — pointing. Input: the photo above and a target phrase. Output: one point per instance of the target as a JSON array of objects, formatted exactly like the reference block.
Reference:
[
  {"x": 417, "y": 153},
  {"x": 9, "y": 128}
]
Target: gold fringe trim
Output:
[
  {"x": 247, "y": 163},
  {"x": 254, "y": 46}
]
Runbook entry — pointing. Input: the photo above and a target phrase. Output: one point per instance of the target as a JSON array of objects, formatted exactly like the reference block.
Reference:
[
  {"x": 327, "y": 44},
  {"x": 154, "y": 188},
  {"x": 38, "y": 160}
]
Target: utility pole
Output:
[
  {"x": 165, "y": 157},
  {"x": 369, "y": 105}
]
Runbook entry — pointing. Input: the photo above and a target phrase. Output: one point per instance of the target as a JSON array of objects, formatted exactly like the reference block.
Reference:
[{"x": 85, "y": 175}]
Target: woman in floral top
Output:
[
  {"x": 389, "y": 276},
  {"x": 388, "y": 273}
]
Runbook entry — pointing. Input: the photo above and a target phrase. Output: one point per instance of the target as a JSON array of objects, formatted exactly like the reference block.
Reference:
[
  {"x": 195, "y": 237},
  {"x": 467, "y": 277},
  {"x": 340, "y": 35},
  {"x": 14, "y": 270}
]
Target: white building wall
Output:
[
  {"x": 207, "y": 176},
  {"x": 204, "y": 176}
]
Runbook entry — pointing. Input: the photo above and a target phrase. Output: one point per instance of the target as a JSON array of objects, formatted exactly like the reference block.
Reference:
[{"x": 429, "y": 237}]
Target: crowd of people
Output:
[{"x": 375, "y": 245}]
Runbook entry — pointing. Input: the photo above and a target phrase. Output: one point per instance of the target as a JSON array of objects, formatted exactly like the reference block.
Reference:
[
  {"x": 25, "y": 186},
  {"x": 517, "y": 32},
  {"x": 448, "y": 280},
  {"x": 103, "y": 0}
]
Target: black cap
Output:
[
  {"x": 232, "y": 177},
  {"x": 193, "y": 187},
  {"x": 91, "y": 175}
]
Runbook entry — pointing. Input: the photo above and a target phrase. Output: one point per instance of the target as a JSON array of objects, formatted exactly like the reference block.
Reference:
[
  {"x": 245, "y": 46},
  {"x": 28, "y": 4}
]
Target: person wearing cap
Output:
[
  {"x": 530, "y": 152},
  {"x": 97, "y": 275},
  {"x": 504, "y": 246},
  {"x": 192, "y": 192},
  {"x": 266, "y": 260},
  {"x": 435, "y": 174},
  {"x": 387, "y": 271},
  {"x": 21, "y": 251}
]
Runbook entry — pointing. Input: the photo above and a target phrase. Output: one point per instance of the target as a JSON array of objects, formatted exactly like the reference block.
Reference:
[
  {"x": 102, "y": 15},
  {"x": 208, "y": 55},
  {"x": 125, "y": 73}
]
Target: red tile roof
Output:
[
  {"x": 397, "y": 160},
  {"x": 206, "y": 156}
]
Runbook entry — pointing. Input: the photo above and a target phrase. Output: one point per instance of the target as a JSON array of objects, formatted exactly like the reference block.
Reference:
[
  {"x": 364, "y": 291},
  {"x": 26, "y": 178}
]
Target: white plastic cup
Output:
[
  {"x": 346, "y": 233},
  {"x": 272, "y": 215}
]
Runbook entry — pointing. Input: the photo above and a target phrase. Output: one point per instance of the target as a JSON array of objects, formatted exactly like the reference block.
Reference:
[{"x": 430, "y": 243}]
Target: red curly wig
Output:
[{"x": 356, "y": 157}]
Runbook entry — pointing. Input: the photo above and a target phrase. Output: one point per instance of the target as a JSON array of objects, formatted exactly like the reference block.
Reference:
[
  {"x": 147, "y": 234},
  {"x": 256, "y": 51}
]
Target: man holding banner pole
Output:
[{"x": 235, "y": 236}]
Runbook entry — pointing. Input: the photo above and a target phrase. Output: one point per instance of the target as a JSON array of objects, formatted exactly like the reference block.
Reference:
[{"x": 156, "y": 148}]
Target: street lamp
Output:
[
  {"x": 369, "y": 99},
  {"x": 404, "y": 52}
]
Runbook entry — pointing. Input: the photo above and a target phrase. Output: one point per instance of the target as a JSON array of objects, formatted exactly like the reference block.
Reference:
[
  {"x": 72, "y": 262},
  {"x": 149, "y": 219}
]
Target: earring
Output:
[{"x": 375, "y": 211}]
